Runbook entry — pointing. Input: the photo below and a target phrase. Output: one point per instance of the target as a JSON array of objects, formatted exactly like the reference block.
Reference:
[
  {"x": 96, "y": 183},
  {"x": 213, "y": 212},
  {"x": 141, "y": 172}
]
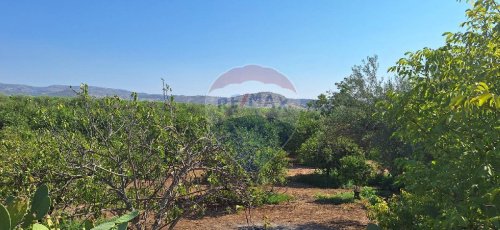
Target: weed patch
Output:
[{"x": 340, "y": 198}]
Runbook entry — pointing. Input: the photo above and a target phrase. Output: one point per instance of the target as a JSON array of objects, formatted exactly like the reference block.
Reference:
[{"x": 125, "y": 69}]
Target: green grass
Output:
[
  {"x": 340, "y": 198},
  {"x": 276, "y": 198}
]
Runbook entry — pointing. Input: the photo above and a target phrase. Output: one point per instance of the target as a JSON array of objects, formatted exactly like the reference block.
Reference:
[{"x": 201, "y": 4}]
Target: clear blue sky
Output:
[{"x": 132, "y": 44}]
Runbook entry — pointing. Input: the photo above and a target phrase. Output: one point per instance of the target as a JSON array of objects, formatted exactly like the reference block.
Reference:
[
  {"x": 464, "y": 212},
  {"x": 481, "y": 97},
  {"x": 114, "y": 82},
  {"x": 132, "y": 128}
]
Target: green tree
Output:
[
  {"x": 354, "y": 168},
  {"x": 325, "y": 153},
  {"x": 450, "y": 116},
  {"x": 112, "y": 155},
  {"x": 305, "y": 127},
  {"x": 351, "y": 112}
]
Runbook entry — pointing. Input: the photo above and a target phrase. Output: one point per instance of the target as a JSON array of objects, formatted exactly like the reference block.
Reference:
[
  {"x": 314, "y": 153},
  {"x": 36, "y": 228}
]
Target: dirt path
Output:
[{"x": 300, "y": 213}]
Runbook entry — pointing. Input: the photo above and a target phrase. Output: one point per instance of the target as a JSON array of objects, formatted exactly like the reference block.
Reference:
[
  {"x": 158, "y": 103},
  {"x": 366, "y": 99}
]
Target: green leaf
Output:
[
  {"x": 87, "y": 224},
  {"x": 39, "y": 227},
  {"x": 482, "y": 86},
  {"x": 41, "y": 202},
  {"x": 481, "y": 99},
  {"x": 17, "y": 208},
  {"x": 457, "y": 100},
  {"x": 104, "y": 226},
  {"x": 28, "y": 220},
  {"x": 5, "y": 222},
  {"x": 123, "y": 226},
  {"x": 42, "y": 208},
  {"x": 490, "y": 210},
  {"x": 41, "y": 192},
  {"x": 127, "y": 217}
]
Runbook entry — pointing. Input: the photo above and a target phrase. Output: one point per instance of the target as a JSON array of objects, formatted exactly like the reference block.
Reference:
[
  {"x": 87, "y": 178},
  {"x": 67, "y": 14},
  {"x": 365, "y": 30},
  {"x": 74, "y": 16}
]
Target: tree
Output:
[
  {"x": 450, "y": 116},
  {"x": 110, "y": 156},
  {"x": 354, "y": 168},
  {"x": 305, "y": 126},
  {"x": 352, "y": 112},
  {"x": 325, "y": 153},
  {"x": 124, "y": 155}
]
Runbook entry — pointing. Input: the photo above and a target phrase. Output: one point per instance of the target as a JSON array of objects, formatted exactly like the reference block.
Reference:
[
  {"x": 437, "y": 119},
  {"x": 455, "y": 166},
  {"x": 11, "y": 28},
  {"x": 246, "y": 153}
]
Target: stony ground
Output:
[{"x": 300, "y": 213}]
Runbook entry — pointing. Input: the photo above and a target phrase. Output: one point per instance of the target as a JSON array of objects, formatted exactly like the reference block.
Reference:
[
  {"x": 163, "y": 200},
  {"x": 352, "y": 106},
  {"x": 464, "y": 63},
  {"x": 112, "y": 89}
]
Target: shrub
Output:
[
  {"x": 324, "y": 153},
  {"x": 370, "y": 194},
  {"x": 354, "y": 168},
  {"x": 262, "y": 197},
  {"x": 272, "y": 165},
  {"x": 276, "y": 198},
  {"x": 306, "y": 126},
  {"x": 384, "y": 181},
  {"x": 255, "y": 146},
  {"x": 102, "y": 154},
  {"x": 261, "y": 162}
]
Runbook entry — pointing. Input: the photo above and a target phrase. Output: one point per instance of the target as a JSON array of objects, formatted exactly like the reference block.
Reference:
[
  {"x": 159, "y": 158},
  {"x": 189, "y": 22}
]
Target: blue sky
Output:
[{"x": 132, "y": 44}]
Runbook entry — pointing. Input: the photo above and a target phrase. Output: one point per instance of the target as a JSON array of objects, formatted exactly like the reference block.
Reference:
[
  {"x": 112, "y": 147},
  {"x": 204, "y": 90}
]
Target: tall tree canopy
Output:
[{"x": 450, "y": 116}]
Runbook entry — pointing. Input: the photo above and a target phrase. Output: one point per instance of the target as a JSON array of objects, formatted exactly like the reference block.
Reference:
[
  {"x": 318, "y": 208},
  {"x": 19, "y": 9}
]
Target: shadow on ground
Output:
[
  {"x": 335, "y": 224},
  {"x": 314, "y": 180}
]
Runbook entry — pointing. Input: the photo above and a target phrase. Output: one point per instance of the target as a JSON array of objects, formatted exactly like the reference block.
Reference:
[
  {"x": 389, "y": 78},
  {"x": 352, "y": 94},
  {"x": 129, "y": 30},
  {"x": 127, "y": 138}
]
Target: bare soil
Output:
[{"x": 300, "y": 213}]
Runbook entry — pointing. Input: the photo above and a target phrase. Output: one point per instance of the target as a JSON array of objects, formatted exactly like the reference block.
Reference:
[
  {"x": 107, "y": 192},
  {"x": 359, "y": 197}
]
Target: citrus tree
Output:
[{"x": 109, "y": 155}]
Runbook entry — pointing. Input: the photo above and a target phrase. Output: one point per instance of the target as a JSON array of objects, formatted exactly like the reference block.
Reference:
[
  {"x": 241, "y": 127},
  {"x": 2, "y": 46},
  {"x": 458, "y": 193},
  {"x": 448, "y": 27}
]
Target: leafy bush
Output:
[
  {"x": 272, "y": 165},
  {"x": 111, "y": 154},
  {"x": 340, "y": 158},
  {"x": 354, "y": 168},
  {"x": 255, "y": 144},
  {"x": 262, "y": 197},
  {"x": 370, "y": 194},
  {"x": 306, "y": 125},
  {"x": 235, "y": 128},
  {"x": 276, "y": 198},
  {"x": 449, "y": 114},
  {"x": 257, "y": 196},
  {"x": 325, "y": 153},
  {"x": 384, "y": 181}
]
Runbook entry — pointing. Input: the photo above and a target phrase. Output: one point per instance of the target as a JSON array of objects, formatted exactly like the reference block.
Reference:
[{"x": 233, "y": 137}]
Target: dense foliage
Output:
[
  {"x": 111, "y": 155},
  {"x": 352, "y": 144},
  {"x": 427, "y": 140},
  {"x": 450, "y": 116},
  {"x": 435, "y": 127}
]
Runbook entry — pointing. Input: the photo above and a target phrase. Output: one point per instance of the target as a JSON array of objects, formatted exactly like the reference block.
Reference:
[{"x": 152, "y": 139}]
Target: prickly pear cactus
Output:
[
  {"x": 39, "y": 227},
  {"x": 5, "y": 222},
  {"x": 40, "y": 204},
  {"x": 17, "y": 207},
  {"x": 119, "y": 223},
  {"x": 17, "y": 212}
]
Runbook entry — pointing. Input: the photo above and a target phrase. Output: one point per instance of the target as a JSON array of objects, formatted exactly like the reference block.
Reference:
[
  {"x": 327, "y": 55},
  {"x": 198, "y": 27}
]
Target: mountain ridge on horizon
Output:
[{"x": 69, "y": 91}]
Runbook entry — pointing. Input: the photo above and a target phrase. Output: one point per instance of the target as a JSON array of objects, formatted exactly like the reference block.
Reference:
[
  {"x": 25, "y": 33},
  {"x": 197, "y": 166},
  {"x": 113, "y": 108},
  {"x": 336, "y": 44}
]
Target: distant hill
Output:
[{"x": 262, "y": 99}]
